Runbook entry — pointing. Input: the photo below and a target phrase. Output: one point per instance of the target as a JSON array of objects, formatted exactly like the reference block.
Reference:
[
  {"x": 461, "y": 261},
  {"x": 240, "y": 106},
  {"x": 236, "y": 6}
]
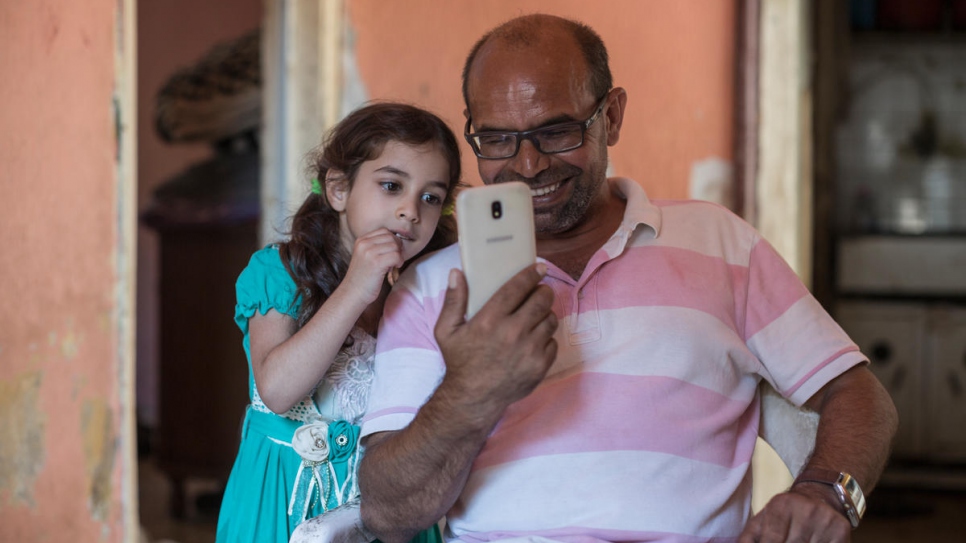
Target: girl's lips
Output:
[{"x": 403, "y": 236}]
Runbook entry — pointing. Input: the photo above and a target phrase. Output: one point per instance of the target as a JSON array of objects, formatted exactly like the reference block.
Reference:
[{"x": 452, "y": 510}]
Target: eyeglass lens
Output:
[{"x": 552, "y": 139}]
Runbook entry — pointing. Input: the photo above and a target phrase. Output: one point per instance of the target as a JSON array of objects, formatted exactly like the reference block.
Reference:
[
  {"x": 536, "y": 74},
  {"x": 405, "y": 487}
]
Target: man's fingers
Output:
[
  {"x": 453, "y": 313},
  {"x": 790, "y": 517},
  {"x": 514, "y": 292},
  {"x": 774, "y": 529},
  {"x": 538, "y": 308},
  {"x": 752, "y": 530}
]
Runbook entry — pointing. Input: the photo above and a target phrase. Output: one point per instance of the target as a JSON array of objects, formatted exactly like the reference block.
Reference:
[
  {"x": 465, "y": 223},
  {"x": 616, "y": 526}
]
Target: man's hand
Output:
[
  {"x": 857, "y": 421},
  {"x": 413, "y": 476},
  {"x": 502, "y": 353},
  {"x": 806, "y": 513}
]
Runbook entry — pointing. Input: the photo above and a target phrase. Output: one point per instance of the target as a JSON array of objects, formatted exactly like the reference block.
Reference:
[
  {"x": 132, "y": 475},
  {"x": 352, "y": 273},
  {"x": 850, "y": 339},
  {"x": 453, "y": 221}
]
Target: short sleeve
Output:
[
  {"x": 801, "y": 347},
  {"x": 264, "y": 284}
]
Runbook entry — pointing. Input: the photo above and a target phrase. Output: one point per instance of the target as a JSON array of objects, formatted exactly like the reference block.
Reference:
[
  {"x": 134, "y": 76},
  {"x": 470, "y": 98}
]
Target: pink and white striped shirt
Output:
[{"x": 644, "y": 427}]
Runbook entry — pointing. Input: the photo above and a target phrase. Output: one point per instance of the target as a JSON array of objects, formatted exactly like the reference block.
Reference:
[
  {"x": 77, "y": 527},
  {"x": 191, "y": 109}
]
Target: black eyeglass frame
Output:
[{"x": 530, "y": 134}]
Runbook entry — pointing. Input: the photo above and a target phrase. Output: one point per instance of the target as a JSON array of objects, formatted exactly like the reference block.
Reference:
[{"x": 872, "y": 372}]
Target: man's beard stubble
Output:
[{"x": 584, "y": 190}]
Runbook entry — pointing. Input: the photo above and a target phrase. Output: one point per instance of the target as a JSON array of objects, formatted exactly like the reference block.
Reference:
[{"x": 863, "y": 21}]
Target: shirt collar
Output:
[{"x": 639, "y": 210}]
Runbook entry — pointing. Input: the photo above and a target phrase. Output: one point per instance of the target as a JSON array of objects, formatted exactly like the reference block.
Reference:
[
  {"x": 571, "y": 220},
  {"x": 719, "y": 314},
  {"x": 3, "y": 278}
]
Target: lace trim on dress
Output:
[{"x": 350, "y": 376}]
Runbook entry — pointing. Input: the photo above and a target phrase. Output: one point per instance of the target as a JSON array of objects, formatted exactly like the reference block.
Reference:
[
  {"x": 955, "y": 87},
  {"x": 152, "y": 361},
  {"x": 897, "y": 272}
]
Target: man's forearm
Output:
[
  {"x": 858, "y": 421},
  {"x": 410, "y": 478}
]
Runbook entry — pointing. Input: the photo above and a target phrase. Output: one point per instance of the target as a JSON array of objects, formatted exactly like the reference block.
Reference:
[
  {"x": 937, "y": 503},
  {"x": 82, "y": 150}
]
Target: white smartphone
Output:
[{"x": 496, "y": 237}]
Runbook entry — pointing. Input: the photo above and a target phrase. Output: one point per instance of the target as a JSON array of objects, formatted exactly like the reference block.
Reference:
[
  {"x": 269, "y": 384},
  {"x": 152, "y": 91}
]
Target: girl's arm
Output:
[{"x": 289, "y": 362}]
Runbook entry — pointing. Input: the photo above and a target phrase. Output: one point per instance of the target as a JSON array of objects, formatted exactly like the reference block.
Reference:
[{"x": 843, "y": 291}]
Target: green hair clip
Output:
[
  {"x": 448, "y": 209},
  {"x": 316, "y": 187}
]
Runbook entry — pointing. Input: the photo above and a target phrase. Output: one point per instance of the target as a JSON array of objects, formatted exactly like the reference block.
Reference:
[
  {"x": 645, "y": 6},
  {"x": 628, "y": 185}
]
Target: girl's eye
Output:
[
  {"x": 432, "y": 199},
  {"x": 390, "y": 186}
]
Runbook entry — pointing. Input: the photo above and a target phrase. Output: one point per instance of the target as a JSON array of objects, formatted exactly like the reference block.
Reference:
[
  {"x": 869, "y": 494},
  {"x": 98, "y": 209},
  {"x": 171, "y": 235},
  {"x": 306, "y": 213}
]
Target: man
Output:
[{"x": 609, "y": 392}]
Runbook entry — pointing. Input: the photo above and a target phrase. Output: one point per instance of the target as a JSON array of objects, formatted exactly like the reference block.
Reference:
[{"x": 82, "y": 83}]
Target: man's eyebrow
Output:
[{"x": 559, "y": 119}]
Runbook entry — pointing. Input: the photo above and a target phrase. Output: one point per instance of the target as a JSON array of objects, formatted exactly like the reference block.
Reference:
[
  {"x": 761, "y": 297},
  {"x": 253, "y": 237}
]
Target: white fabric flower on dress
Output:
[{"x": 311, "y": 442}]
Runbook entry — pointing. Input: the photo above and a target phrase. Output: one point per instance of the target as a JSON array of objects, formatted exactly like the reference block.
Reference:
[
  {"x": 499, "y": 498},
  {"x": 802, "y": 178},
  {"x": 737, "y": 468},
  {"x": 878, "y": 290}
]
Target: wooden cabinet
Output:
[
  {"x": 947, "y": 378},
  {"x": 203, "y": 373},
  {"x": 918, "y": 352}
]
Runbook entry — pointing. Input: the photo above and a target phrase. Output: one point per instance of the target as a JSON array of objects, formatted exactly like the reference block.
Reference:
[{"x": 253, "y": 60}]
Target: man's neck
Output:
[{"x": 572, "y": 250}]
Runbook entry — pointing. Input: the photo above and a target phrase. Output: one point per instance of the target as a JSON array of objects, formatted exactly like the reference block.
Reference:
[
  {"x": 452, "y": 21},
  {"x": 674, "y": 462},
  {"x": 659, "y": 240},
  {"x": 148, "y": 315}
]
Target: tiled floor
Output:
[{"x": 894, "y": 516}]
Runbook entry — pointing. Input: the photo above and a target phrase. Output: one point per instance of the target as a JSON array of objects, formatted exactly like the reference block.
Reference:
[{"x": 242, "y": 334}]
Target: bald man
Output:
[{"x": 609, "y": 392}]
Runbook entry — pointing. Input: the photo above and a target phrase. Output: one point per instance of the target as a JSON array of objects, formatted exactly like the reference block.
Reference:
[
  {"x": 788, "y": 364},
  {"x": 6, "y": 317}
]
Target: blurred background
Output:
[{"x": 148, "y": 148}]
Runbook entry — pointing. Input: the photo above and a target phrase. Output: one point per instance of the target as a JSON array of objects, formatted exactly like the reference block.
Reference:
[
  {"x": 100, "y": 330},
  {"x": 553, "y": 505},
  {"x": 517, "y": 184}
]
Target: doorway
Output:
[{"x": 197, "y": 201}]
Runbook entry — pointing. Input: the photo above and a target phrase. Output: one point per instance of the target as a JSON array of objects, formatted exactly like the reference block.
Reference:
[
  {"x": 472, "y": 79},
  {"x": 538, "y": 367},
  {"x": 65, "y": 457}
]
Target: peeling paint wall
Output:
[
  {"x": 97, "y": 433},
  {"x": 21, "y": 438},
  {"x": 59, "y": 397},
  {"x": 676, "y": 60}
]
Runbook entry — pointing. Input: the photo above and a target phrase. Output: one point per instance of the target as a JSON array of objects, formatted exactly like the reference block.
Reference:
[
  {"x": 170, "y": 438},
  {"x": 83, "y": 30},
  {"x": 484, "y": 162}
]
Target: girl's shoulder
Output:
[
  {"x": 267, "y": 262},
  {"x": 269, "y": 257},
  {"x": 265, "y": 284}
]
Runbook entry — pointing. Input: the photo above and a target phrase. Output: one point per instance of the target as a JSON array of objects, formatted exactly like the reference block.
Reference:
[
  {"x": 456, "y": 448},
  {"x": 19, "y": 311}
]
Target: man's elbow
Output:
[
  {"x": 376, "y": 510},
  {"x": 379, "y": 525}
]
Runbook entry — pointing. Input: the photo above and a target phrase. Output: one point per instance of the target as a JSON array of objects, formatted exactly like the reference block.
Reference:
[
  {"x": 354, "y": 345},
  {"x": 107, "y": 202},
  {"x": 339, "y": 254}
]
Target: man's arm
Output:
[
  {"x": 857, "y": 423},
  {"x": 410, "y": 478}
]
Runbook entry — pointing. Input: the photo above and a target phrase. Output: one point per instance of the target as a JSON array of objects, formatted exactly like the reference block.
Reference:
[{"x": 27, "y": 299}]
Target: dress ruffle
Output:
[{"x": 265, "y": 284}]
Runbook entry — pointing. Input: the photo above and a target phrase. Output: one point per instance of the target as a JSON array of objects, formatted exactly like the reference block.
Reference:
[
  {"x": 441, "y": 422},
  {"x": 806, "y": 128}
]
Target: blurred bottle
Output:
[
  {"x": 864, "y": 216},
  {"x": 937, "y": 188}
]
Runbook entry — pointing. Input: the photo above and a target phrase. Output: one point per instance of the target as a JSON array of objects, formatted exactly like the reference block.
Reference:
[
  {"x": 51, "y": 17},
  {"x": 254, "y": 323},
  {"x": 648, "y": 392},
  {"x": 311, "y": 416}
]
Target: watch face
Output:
[{"x": 852, "y": 498}]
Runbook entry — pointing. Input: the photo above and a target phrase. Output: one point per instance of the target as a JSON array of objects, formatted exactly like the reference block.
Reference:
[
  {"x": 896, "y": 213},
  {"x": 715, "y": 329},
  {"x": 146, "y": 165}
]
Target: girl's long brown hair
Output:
[{"x": 314, "y": 255}]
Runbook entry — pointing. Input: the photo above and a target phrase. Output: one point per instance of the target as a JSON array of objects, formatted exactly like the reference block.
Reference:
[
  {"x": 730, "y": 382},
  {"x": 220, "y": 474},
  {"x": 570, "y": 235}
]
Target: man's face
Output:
[{"x": 516, "y": 90}]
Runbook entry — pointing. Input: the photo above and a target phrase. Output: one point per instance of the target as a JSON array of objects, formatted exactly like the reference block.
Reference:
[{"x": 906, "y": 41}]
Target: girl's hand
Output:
[{"x": 374, "y": 255}]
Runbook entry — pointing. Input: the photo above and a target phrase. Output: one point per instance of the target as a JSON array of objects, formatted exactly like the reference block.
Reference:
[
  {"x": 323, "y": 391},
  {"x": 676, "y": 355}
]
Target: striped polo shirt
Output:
[{"x": 644, "y": 427}]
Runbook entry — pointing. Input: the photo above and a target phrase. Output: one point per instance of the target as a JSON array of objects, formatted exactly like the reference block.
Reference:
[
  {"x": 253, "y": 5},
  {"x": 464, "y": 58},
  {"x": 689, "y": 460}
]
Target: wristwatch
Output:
[{"x": 846, "y": 488}]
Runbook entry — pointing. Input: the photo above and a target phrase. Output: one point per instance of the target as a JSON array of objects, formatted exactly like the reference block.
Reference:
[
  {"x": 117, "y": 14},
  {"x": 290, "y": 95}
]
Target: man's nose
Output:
[{"x": 529, "y": 161}]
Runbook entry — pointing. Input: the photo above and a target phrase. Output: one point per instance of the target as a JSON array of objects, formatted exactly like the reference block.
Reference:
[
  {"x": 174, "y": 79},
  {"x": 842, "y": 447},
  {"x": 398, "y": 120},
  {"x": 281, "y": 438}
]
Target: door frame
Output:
[
  {"x": 125, "y": 303},
  {"x": 781, "y": 205}
]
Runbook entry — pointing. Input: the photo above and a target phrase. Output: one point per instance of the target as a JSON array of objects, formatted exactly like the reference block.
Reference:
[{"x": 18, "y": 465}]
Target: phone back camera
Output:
[{"x": 496, "y": 209}]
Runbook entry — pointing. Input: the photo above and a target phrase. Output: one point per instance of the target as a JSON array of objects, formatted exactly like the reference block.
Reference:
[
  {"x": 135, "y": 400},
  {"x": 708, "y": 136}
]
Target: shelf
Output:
[
  {"x": 888, "y": 38},
  {"x": 902, "y": 265}
]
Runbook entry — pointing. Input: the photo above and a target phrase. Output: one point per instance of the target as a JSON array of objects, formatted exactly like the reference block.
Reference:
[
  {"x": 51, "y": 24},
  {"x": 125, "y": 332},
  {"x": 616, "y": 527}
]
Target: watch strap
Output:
[{"x": 846, "y": 489}]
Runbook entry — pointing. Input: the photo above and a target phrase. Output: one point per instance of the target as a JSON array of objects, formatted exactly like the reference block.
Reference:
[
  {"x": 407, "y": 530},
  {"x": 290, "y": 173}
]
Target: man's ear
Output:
[
  {"x": 336, "y": 190},
  {"x": 614, "y": 114}
]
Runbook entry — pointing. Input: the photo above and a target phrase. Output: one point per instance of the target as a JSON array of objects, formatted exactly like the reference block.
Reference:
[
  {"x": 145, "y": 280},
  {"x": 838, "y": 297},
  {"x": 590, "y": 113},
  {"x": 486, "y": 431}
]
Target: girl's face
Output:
[{"x": 402, "y": 190}]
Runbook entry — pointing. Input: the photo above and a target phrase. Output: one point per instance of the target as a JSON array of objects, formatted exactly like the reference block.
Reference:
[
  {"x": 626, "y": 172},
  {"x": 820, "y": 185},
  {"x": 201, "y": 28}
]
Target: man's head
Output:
[
  {"x": 524, "y": 31},
  {"x": 536, "y": 72}
]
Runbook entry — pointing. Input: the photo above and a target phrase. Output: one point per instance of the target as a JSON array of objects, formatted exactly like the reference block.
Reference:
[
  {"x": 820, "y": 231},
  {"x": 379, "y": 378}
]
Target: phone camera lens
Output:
[{"x": 496, "y": 209}]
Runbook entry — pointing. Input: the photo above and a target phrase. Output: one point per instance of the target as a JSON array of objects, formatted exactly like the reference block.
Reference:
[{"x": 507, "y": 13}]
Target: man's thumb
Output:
[{"x": 453, "y": 313}]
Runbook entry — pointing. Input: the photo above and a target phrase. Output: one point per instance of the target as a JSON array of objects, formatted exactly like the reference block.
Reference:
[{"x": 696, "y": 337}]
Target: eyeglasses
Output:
[{"x": 556, "y": 138}]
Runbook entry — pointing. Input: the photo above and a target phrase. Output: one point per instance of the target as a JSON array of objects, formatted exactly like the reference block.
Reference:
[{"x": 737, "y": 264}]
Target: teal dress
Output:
[{"x": 299, "y": 464}]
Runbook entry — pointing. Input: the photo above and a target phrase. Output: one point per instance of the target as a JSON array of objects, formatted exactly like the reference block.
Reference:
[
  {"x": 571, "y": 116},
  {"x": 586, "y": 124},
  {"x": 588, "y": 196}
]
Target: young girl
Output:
[{"x": 308, "y": 308}]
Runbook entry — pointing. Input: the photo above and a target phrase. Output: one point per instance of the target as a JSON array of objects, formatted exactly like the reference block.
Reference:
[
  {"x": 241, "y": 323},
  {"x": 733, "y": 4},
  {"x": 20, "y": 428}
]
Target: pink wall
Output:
[
  {"x": 674, "y": 58},
  {"x": 60, "y": 463},
  {"x": 169, "y": 39}
]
